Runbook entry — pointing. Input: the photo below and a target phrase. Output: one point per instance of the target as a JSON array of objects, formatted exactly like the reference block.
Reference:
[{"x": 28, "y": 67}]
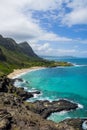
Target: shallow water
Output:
[{"x": 61, "y": 82}]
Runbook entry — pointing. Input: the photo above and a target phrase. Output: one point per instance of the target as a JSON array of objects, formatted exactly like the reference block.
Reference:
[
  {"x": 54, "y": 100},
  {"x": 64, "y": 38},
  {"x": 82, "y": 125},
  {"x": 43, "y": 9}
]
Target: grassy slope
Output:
[
  {"x": 14, "y": 60},
  {"x": 19, "y": 60}
]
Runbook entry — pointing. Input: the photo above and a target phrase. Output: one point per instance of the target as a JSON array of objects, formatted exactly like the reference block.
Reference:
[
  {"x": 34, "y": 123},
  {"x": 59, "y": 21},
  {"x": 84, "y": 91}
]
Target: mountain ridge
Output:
[
  {"x": 14, "y": 55},
  {"x": 23, "y": 47},
  {"x": 17, "y": 56}
]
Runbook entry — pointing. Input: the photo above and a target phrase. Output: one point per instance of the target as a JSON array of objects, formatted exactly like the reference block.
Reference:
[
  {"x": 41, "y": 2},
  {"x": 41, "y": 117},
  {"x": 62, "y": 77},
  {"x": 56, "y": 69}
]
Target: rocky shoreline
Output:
[{"x": 17, "y": 114}]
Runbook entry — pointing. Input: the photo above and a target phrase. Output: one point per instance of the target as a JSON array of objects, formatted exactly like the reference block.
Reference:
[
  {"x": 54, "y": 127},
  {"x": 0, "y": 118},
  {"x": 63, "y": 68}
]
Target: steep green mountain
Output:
[
  {"x": 23, "y": 47},
  {"x": 14, "y": 55},
  {"x": 26, "y": 49},
  {"x": 2, "y": 56}
]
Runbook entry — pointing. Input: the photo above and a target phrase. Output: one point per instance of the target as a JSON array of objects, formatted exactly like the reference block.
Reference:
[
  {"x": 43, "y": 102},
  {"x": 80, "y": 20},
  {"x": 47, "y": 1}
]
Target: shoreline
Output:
[
  {"x": 18, "y": 72},
  {"x": 33, "y": 112}
]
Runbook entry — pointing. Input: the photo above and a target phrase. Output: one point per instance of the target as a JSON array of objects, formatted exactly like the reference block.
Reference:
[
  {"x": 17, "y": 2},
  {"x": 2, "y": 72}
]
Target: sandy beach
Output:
[{"x": 17, "y": 72}]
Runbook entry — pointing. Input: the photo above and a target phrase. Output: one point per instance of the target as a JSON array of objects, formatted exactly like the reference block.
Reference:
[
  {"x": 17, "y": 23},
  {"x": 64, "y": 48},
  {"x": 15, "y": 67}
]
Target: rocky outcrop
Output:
[
  {"x": 6, "y": 85},
  {"x": 14, "y": 115},
  {"x": 20, "y": 117},
  {"x": 45, "y": 108},
  {"x": 17, "y": 114},
  {"x": 71, "y": 124}
]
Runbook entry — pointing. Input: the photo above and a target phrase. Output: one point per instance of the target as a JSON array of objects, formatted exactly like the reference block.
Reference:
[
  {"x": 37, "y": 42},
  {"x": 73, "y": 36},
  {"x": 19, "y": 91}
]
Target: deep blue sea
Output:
[{"x": 61, "y": 82}]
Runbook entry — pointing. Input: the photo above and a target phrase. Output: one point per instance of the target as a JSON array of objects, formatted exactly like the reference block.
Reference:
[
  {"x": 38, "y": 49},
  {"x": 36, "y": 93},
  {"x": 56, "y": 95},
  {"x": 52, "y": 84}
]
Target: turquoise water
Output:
[{"x": 61, "y": 82}]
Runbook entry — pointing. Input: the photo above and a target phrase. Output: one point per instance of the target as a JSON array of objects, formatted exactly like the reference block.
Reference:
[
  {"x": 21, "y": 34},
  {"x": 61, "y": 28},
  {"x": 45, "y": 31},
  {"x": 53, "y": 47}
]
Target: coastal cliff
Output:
[{"x": 17, "y": 114}]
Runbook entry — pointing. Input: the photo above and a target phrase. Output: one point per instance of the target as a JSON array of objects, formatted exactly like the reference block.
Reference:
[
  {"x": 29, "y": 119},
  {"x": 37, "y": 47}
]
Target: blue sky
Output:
[{"x": 53, "y": 27}]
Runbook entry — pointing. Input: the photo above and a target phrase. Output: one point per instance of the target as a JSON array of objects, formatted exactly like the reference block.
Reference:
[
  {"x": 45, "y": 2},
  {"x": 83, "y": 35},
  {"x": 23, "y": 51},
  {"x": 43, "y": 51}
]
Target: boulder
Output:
[{"x": 23, "y": 94}]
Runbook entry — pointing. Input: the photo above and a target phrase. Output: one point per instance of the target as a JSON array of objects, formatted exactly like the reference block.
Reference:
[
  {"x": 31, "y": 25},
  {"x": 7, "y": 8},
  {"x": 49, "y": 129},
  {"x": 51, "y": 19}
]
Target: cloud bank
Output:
[
  {"x": 16, "y": 17},
  {"x": 16, "y": 20}
]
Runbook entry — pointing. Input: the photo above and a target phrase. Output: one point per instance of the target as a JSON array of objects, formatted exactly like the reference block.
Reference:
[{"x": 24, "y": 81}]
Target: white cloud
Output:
[
  {"x": 76, "y": 17},
  {"x": 47, "y": 49},
  {"x": 42, "y": 49},
  {"x": 54, "y": 37},
  {"x": 16, "y": 23},
  {"x": 39, "y": 47},
  {"x": 78, "y": 13},
  {"x": 43, "y": 6},
  {"x": 46, "y": 5}
]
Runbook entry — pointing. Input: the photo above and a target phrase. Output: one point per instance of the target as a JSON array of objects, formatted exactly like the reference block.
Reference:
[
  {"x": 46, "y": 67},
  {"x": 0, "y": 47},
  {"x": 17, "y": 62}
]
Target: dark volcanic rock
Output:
[
  {"x": 6, "y": 85},
  {"x": 16, "y": 114},
  {"x": 36, "y": 92},
  {"x": 72, "y": 124},
  {"x": 23, "y": 94},
  {"x": 5, "y": 120},
  {"x": 45, "y": 108},
  {"x": 22, "y": 118},
  {"x": 10, "y": 99}
]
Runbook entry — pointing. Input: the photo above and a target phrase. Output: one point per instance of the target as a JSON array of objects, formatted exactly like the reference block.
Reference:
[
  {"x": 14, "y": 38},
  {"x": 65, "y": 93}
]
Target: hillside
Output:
[
  {"x": 23, "y": 47},
  {"x": 14, "y": 55}
]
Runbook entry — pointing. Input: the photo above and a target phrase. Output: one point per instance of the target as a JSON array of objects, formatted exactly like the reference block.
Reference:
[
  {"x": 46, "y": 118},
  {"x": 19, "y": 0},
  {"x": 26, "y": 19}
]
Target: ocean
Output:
[{"x": 61, "y": 82}]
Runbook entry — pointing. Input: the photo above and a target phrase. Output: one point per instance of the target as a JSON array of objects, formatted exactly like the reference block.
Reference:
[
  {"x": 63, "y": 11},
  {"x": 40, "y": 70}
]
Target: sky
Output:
[{"x": 51, "y": 27}]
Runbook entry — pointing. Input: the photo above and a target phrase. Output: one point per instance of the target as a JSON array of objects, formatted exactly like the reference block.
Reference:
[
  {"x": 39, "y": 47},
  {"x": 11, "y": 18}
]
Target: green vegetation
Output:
[{"x": 17, "y": 56}]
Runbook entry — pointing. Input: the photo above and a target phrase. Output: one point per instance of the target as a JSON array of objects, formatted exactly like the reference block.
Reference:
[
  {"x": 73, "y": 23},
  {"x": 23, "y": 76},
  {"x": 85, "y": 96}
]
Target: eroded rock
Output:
[
  {"x": 5, "y": 120},
  {"x": 16, "y": 114},
  {"x": 45, "y": 108}
]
